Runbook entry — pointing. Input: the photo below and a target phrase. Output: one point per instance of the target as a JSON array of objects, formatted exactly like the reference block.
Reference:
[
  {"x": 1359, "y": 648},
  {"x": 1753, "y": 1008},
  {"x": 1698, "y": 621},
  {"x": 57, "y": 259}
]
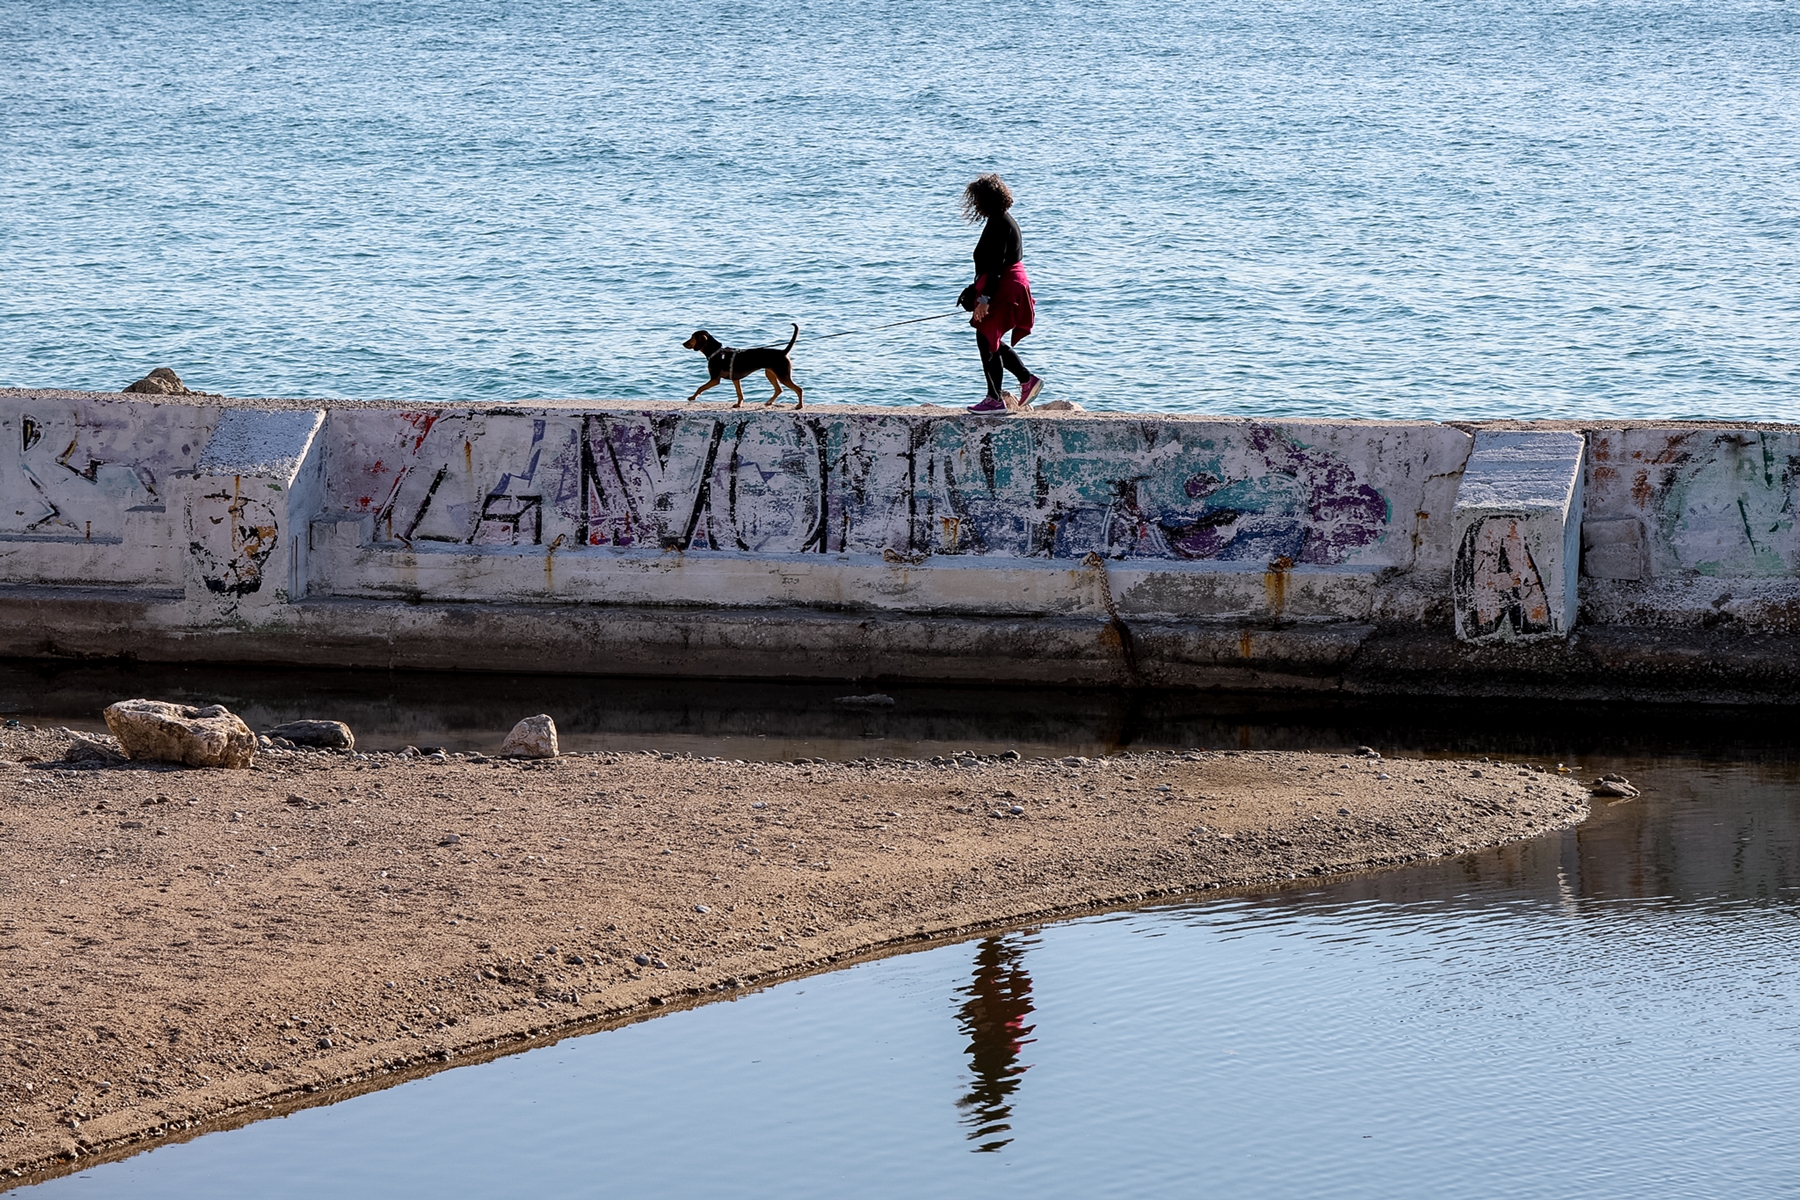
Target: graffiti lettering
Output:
[
  {"x": 803, "y": 483},
  {"x": 1498, "y": 588},
  {"x": 234, "y": 537}
]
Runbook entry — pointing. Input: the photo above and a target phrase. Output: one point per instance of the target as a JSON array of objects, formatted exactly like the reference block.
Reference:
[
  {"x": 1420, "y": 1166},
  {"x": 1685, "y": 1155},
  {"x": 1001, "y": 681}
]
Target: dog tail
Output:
[{"x": 792, "y": 340}]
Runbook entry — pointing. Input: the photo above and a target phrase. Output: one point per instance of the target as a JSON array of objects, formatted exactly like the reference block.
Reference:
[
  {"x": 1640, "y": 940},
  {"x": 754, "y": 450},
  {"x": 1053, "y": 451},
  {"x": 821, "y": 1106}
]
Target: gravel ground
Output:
[{"x": 187, "y": 949}]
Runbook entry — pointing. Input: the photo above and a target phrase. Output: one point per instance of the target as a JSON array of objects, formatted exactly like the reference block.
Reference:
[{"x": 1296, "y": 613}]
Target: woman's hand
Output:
[{"x": 981, "y": 313}]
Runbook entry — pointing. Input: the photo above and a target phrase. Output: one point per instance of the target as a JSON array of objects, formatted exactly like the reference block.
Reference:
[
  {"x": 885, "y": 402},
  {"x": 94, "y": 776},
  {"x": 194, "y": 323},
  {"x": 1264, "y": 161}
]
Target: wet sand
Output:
[{"x": 186, "y": 949}]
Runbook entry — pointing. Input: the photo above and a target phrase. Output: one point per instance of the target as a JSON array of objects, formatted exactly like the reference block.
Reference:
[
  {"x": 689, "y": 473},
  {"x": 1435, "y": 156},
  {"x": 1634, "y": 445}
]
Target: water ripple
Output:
[{"x": 1397, "y": 209}]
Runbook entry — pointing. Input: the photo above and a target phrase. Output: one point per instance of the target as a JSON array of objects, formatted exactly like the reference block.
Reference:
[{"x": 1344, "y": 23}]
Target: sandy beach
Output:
[{"x": 188, "y": 949}]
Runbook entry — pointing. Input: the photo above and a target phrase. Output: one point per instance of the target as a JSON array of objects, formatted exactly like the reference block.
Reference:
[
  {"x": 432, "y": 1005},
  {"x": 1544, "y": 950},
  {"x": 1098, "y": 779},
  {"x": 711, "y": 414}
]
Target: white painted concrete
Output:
[
  {"x": 224, "y": 517},
  {"x": 248, "y": 504},
  {"x": 87, "y": 489},
  {"x": 1517, "y": 526}
]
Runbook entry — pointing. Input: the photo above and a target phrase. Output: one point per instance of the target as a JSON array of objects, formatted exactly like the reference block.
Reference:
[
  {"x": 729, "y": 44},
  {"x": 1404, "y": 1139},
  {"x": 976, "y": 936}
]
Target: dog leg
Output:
[
  {"x": 786, "y": 375},
  {"x": 769, "y": 372},
  {"x": 711, "y": 383},
  {"x": 739, "y": 385}
]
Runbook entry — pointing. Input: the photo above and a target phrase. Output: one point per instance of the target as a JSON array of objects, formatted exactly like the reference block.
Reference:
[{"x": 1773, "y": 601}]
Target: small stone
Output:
[
  {"x": 160, "y": 382},
  {"x": 196, "y": 737},
  {"x": 87, "y": 751},
  {"x": 760, "y": 804},
  {"x": 450, "y": 839},
  {"x": 1010, "y": 756},
  {"x": 323, "y": 1043},
  {"x": 1017, "y": 810},
  {"x": 642, "y": 960},
  {"x": 1343, "y": 812},
  {"x": 701, "y": 908},
  {"x": 534, "y": 737},
  {"x": 1384, "y": 775},
  {"x": 320, "y": 735}
]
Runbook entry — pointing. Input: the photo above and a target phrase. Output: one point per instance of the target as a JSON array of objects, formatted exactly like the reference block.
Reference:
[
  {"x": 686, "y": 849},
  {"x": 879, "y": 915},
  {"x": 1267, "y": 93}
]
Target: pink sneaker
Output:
[
  {"x": 989, "y": 404},
  {"x": 1028, "y": 393}
]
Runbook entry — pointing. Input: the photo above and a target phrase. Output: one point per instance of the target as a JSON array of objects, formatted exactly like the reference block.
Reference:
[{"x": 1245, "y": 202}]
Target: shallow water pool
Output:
[{"x": 1614, "y": 1011}]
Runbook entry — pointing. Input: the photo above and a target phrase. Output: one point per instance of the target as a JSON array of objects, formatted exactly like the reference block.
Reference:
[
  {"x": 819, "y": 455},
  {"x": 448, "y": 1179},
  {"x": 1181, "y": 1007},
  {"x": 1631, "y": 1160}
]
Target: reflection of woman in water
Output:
[{"x": 999, "y": 1000}]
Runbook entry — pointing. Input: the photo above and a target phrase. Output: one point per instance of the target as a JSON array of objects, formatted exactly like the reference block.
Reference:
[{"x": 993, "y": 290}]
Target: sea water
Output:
[{"x": 1392, "y": 208}]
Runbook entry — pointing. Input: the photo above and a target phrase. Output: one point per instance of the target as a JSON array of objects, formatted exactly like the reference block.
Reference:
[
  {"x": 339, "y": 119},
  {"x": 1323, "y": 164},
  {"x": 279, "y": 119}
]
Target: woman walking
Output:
[{"x": 1000, "y": 297}]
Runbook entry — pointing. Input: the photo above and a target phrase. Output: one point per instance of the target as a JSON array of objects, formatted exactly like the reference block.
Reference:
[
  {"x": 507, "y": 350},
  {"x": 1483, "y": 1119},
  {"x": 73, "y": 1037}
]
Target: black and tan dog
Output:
[{"x": 722, "y": 362}]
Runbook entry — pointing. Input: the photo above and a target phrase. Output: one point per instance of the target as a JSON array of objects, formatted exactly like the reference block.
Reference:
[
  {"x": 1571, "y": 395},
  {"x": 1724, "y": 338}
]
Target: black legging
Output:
[{"x": 991, "y": 364}]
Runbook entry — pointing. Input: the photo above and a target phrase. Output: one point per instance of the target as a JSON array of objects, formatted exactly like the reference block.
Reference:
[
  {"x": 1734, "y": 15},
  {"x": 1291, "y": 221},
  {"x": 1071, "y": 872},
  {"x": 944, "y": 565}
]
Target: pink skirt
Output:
[{"x": 1010, "y": 307}]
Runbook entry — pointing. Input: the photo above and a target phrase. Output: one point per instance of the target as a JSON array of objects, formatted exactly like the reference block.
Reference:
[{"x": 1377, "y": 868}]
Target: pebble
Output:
[
  {"x": 759, "y": 804},
  {"x": 1343, "y": 812},
  {"x": 1384, "y": 775},
  {"x": 450, "y": 839},
  {"x": 1017, "y": 810},
  {"x": 642, "y": 960},
  {"x": 701, "y": 908}
]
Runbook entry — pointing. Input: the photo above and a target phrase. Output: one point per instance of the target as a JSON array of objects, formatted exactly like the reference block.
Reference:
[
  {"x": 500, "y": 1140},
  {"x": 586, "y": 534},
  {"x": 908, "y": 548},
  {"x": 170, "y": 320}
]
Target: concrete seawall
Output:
[{"x": 1650, "y": 561}]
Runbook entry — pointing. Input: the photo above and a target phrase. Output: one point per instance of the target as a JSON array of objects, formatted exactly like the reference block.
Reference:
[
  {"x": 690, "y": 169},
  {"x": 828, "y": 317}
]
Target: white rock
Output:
[
  {"x": 534, "y": 737},
  {"x": 179, "y": 733}
]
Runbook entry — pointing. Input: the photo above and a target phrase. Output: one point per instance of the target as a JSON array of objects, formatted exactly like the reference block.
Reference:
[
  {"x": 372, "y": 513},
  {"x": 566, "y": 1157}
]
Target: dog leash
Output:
[
  {"x": 871, "y": 329},
  {"x": 889, "y": 325}
]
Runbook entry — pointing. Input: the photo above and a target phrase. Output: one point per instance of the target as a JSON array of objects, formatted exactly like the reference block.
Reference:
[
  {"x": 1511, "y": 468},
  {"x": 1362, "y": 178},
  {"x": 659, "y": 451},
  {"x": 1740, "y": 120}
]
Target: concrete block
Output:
[
  {"x": 1517, "y": 527},
  {"x": 1715, "y": 502},
  {"x": 1613, "y": 549},
  {"x": 253, "y": 490},
  {"x": 86, "y": 488}
]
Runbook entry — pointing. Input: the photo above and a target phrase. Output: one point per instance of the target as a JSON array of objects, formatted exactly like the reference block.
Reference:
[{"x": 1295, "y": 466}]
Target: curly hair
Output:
[{"x": 986, "y": 197}]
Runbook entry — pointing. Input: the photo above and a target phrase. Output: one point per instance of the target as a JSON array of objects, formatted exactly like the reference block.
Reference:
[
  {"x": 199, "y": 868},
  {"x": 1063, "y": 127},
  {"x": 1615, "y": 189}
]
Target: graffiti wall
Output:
[
  {"x": 87, "y": 486},
  {"x": 241, "y": 510},
  {"x": 901, "y": 484},
  {"x": 1710, "y": 502}
]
